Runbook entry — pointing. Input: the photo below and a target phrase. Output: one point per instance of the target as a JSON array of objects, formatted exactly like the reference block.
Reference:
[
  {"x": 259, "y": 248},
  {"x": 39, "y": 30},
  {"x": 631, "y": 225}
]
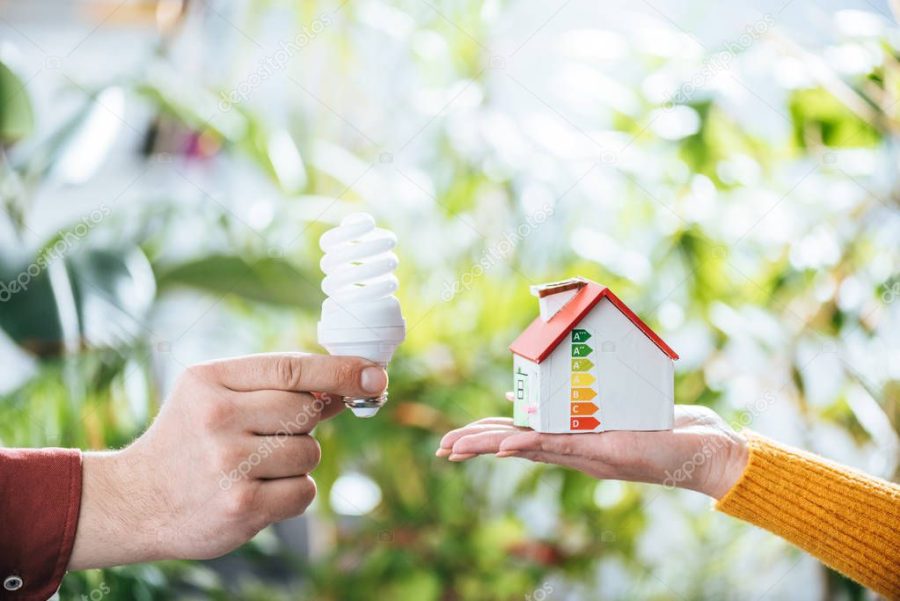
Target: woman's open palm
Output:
[{"x": 701, "y": 452}]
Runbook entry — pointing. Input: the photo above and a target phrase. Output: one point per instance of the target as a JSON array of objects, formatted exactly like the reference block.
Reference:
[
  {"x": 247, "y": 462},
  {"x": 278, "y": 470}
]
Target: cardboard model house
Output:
[{"x": 589, "y": 364}]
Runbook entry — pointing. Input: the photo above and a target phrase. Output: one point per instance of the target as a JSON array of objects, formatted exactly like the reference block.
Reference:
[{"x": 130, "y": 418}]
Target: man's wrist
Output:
[{"x": 109, "y": 531}]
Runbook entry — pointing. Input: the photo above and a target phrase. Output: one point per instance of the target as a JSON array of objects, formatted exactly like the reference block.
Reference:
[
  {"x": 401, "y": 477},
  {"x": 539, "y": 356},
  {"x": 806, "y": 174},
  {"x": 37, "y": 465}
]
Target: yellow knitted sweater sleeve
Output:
[{"x": 847, "y": 519}]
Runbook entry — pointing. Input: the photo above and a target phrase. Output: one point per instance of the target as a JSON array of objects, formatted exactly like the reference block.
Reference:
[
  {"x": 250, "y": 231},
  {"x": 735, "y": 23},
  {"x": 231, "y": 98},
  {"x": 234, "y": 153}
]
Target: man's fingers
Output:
[
  {"x": 279, "y": 411},
  {"x": 285, "y": 412},
  {"x": 286, "y": 497},
  {"x": 300, "y": 372},
  {"x": 282, "y": 456},
  {"x": 333, "y": 404}
]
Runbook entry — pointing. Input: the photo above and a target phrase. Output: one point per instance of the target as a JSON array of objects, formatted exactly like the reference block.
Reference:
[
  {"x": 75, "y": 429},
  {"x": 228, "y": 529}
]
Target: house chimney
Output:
[{"x": 553, "y": 296}]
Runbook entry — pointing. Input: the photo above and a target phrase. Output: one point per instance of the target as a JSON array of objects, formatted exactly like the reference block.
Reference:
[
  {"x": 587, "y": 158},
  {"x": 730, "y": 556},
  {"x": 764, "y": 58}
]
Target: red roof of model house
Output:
[{"x": 541, "y": 337}]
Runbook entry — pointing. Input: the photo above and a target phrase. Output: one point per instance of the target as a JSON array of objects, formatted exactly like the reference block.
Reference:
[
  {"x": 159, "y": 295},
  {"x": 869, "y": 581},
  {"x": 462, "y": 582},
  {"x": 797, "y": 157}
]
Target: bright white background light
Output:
[{"x": 354, "y": 494}]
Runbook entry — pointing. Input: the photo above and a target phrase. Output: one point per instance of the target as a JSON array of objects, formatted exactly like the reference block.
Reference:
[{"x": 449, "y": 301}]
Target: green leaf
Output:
[
  {"x": 113, "y": 291},
  {"x": 269, "y": 280},
  {"x": 107, "y": 294},
  {"x": 819, "y": 116},
  {"x": 192, "y": 104},
  {"x": 29, "y": 315},
  {"x": 16, "y": 116},
  {"x": 413, "y": 585},
  {"x": 276, "y": 153}
]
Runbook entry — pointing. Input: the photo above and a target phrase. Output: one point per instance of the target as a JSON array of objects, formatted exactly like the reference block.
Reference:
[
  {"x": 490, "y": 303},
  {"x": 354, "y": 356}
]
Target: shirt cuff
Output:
[{"x": 39, "y": 505}]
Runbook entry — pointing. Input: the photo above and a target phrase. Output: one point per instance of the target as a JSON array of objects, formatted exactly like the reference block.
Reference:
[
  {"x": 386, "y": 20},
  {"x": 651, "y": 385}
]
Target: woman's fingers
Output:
[
  {"x": 481, "y": 443},
  {"x": 501, "y": 436},
  {"x": 536, "y": 441},
  {"x": 505, "y": 440},
  {"x": 483, "y": 424},
  {"x": 576, "y": 463},
  {"x": 450, "y": 438},
  {"x": 491, "y": 421},
  {"x": 581, "y": 445},
  {"x": 486, "y": 442}
]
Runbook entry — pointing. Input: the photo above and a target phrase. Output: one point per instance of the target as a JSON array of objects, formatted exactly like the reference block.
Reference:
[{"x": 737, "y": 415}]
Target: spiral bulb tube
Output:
[
  {"x": 361, "y": 315},
  {"x": 358, "y": 263}
]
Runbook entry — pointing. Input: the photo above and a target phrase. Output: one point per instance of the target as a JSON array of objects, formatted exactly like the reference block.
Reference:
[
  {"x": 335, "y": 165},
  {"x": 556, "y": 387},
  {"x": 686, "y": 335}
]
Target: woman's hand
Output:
[{"x": 700, "y": 453}]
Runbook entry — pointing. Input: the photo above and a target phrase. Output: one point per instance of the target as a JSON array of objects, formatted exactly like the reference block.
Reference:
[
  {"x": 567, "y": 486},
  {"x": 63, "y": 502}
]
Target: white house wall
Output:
[
  {"x": 532, "y": 391},
  {"x": 634, "y": 377}
]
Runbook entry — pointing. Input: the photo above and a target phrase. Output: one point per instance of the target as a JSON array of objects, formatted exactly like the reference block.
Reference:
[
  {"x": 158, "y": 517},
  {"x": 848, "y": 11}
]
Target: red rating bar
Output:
[{"x": 583, "y": 423}]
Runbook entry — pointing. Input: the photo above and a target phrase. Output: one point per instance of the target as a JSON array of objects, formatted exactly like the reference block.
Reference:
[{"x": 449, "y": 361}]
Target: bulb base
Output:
[{"x": 366, "y": 407}]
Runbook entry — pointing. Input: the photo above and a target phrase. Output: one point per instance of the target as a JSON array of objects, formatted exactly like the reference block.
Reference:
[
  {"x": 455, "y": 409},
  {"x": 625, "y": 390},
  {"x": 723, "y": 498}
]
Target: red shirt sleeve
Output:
[{"x": 40, "y": 496}]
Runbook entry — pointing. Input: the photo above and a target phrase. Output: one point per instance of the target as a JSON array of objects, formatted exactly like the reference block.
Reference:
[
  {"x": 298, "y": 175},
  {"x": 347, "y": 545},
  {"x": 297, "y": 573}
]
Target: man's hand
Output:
[
  {"x": 701, "y": 453},
  {"x": 228, "y": 454}
]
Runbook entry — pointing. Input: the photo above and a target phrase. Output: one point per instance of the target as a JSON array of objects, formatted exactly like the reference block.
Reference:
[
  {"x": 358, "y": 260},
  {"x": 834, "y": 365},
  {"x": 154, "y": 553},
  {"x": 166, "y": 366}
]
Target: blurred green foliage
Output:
[{"x": 443, "y": 531}]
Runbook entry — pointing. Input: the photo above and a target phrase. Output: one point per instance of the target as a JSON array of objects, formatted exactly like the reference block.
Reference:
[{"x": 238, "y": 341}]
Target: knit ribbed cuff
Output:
[{"x": 847, "y": 519}]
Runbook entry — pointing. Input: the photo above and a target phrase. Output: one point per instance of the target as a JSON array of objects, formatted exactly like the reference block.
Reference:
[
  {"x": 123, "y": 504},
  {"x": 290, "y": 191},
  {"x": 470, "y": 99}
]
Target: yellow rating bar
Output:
[{"x": 582, "y": 379}]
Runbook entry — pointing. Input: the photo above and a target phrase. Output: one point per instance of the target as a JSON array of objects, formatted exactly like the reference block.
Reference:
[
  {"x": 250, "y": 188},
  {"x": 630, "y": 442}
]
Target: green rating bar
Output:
[
  {"x": 581, "y": 350},
  {"x": 579, "y": 335}
]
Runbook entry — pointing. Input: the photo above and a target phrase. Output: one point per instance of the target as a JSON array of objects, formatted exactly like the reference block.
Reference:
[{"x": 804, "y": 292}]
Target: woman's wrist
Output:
[{"x": 727, "y": 466}]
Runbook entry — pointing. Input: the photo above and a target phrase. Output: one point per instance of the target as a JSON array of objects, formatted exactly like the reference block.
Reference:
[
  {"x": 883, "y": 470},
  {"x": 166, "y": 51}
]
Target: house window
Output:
[{"x": 521, "y": 386}]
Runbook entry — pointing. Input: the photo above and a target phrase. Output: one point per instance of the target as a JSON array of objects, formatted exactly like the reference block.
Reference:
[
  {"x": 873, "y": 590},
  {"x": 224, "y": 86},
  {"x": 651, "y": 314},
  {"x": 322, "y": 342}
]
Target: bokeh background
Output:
[{"x": 729, "y": 169}]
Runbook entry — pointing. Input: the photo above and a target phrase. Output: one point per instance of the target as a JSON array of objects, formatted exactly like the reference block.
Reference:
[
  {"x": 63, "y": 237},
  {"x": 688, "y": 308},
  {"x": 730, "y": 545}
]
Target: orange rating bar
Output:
[
  {"x": 583, "y": 394},
  {"x": 584, "y": 409},
  {"x": 582, "y": 379},
  {"x": 583, "y": 423}
]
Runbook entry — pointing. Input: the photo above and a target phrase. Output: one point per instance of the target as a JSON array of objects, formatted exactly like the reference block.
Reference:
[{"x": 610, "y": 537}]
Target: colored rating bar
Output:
[
  {"x": 582, "y": 379},
  {"x": 584, "y": 409},
  {"x": 583, "y": 394},
  {"x": 582, "y": 364},
  {"x": 581, "y": 350},
  {"x": 582, "y": 391},
  {"x": 583, "y": 423},
  {"x": 579, "y": 335}
]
